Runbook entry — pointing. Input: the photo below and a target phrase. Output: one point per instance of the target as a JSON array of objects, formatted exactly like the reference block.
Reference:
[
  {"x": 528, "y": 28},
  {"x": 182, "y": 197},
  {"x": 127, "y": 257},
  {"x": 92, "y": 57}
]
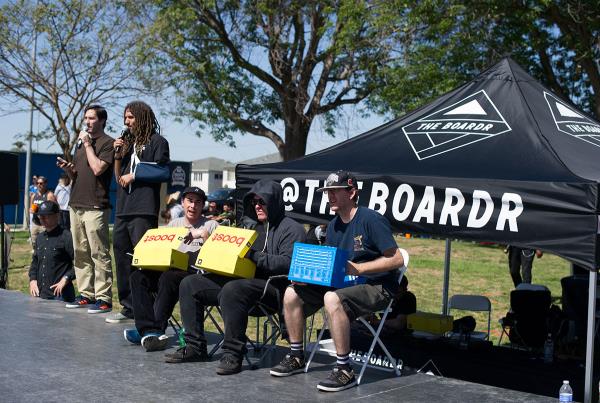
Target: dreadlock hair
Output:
[{"x": 145, "y": 123}]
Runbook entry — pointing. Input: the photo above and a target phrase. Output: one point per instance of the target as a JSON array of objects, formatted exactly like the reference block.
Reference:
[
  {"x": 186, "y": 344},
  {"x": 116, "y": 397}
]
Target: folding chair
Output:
[
  {"x": 374, "y": 332},
  {"x": 475, "y": 303},
  {"x": 271, "y": 327}
]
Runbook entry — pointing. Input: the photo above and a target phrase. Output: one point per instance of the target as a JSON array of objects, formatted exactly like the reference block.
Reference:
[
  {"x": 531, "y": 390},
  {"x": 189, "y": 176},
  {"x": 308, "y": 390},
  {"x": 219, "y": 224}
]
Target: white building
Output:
[
  {"x": 207, "y": 173},
  {"x": 214, "y": 173}
]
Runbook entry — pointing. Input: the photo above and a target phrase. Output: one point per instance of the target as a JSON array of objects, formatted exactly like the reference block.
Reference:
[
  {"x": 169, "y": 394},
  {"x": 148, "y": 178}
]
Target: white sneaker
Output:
[{"x": 117, "y": 318}]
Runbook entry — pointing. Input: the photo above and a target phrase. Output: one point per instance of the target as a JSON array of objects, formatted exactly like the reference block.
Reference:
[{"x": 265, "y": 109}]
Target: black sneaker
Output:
[
  {"x": 230, "y": 364},
  {"x": 290, "y": 365},
  {"x": 186, "y": 354},
  {"x": 339, "y": 379}
]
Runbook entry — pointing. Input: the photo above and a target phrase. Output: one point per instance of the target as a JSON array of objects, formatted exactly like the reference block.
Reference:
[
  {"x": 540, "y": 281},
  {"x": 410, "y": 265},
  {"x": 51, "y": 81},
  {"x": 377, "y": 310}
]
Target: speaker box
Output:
[{"x": 9, "y": 166}]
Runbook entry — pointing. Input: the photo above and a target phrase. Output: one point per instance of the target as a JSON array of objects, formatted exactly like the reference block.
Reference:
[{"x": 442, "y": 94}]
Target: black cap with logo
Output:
[
  {"x": 48, "y": 208},
  {"x": 339, "y": 180},
  {"x": 195, "y": 190}
]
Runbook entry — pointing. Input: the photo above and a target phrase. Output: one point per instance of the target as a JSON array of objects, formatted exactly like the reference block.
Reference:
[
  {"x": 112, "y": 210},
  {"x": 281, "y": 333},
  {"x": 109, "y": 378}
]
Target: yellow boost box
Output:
[
  {"x": 429, "y": 322},
  {"x": 223, "y": 252},
  {"x": 157, "y": 250}
]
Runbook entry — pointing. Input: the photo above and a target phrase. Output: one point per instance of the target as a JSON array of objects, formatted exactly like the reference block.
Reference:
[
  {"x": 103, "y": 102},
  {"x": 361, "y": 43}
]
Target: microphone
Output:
[
  {"x": 124, "y": 132},
  {"x": 80, "y": 141}
]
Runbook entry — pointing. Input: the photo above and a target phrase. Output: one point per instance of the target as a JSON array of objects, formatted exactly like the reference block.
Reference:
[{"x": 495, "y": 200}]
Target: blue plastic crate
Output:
[{"x": 321, "y": 265}]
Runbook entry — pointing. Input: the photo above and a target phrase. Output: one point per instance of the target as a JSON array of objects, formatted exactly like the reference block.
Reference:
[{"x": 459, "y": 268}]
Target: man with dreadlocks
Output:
[{"x": 141, "y": 158}]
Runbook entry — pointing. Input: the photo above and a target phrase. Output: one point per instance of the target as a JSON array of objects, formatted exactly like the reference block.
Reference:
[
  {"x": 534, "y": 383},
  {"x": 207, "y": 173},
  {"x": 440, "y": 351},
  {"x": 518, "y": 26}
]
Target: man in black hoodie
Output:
[{"x": 272, "y": 253}]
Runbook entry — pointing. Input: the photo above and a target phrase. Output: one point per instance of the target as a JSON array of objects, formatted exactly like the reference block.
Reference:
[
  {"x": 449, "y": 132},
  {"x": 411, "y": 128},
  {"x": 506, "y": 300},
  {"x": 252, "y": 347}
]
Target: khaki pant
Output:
[
  {"x": 35, "y": 230},
  {"x": 93, "y": 267}
]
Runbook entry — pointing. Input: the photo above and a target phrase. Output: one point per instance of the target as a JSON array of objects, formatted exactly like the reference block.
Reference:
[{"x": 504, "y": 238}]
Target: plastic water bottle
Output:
[
  {"x": 180, "y": 337},
  {"x": 549, "y": 349},
  {"x": 565, "y": 394}
]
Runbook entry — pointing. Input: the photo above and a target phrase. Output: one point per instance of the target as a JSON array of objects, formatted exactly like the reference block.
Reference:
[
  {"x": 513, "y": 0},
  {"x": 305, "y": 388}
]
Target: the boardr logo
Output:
[
  {"x": 465, "y": 122},
  {"x": 571, "y": 122}
]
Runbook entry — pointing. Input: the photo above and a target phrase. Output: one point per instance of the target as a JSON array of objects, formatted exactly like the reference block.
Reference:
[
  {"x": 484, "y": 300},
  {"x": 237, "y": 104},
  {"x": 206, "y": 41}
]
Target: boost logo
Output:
[
  {"x": 238, "y": 240},
  {"x": 165, "y": 237}
]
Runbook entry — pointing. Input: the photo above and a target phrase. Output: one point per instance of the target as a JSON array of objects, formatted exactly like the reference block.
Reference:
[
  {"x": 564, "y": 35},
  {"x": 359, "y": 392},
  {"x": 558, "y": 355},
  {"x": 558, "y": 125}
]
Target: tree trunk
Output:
[{"x": 295, "y": 141}]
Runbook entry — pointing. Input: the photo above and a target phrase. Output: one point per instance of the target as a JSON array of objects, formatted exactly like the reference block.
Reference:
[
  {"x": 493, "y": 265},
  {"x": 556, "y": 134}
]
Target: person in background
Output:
[
  {"x": 227, "y": 217},
  {"x": 33, "y": 186},
  {"x": 520, "y": 260},
  {"x": 51, "y": 272},
  {"x": 141, "y": 165},
  {"x": 41, "y": 195},
  {"x": 212, "y": 210},
  {"x": 173, "y": 208},
  {"x": 63, "y": 194}
]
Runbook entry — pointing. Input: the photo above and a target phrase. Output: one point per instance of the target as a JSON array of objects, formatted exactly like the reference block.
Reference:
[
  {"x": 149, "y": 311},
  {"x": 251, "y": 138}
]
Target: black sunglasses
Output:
[{"x": 258, "y": 201}]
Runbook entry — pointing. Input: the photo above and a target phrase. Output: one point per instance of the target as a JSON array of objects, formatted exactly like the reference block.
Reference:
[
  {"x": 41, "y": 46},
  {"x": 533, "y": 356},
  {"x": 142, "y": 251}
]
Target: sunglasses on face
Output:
[
  {"x": 41, "y": 183},
  {"x": 256, "y": 202}
]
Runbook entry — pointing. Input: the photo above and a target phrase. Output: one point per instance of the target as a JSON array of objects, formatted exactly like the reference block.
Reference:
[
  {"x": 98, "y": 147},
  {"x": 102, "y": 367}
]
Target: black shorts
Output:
[{"x": 357, "y": 300}]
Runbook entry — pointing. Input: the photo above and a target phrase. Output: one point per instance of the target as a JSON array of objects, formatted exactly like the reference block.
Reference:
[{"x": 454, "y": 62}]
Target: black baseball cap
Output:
[
  {"x": 339, "y": 180},
  {"x": 195, "y": 190},
  {"x": 48, "y": 208}
]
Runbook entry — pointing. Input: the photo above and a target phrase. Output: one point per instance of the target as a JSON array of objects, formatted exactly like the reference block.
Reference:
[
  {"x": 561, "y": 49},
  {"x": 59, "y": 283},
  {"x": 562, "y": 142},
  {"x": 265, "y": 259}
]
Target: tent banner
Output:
[{"x": 559, "y": 216}]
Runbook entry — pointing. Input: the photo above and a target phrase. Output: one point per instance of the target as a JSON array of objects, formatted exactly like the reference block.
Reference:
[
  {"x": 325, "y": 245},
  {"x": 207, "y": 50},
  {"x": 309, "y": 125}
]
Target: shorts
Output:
[{"x": 358, "y": 300}]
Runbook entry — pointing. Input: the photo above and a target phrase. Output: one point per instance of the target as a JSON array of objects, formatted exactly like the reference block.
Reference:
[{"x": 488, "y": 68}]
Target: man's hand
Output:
[
  {"x": 125, "y": 180},
  {"x": 58, "y": 287},
  {"x": 33, "y": 288},
  {"x": 66, "y": 166},
  {"x": 539, "y": 253},
  {"x": 195, "y": 234},
  {"x": 353, "y": 269},
  {"x": 84, "y": 136}
]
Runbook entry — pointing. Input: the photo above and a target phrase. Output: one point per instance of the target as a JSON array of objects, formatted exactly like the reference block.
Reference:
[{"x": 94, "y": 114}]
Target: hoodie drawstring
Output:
[{"x": 266, "y": 238}]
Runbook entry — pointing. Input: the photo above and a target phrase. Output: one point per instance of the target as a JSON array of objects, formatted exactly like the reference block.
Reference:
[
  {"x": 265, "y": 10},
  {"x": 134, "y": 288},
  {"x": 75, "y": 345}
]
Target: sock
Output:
[
  {"x": 296, "y": 350},
  {"x": 343, "y": 361}
]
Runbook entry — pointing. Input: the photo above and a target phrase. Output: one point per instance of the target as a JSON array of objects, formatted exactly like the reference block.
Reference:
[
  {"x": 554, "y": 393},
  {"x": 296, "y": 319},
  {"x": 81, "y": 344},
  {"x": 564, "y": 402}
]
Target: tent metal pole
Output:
[
  {"x": 446, "y": 277},
  {"x": 591, "y": 330}
]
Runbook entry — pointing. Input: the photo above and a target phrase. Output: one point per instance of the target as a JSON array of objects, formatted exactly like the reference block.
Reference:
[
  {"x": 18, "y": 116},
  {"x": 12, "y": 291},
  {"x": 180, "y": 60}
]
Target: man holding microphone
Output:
[{"x": 90, "y": 212}]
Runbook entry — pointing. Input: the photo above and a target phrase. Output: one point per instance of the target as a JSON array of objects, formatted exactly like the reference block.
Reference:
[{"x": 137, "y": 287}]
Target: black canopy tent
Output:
[{"x": 499, "y": 159}]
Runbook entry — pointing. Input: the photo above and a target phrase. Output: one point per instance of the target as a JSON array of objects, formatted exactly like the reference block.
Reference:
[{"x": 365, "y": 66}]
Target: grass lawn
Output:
[{"x": 475, "y": 269}]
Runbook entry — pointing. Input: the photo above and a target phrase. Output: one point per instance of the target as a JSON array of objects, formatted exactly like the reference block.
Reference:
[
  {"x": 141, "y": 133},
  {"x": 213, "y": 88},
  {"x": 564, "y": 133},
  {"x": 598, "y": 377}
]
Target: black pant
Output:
[
  {"x": 520, "y": 260},
  {"x": 64, "y": 219},
  {"x": 235, "y": 297},
  {"x": 154, "y": 295},
  {"x": 127, "y": 232}
]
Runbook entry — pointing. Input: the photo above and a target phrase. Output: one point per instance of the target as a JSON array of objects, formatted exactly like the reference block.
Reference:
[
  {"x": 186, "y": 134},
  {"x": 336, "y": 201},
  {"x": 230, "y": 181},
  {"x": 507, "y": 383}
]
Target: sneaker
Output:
[
  {"x": 80, "y": 302},
  {"x": 155, "y": 342},
  {"x": 290, "y": 365},
  {"x": 229, "y": 364},
  {"x": 186, "y": 354},
  {"x": 339, "y": 379},
  {"x": 100, "y": 307},
  {"x": 132, "y": 336},
  {"x": 117, "y": 318}
]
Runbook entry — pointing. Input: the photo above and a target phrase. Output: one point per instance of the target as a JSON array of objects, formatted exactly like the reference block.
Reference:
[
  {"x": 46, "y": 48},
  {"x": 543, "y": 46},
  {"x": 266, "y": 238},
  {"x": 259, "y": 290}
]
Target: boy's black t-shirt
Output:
[{"x": 366, "y": 237}]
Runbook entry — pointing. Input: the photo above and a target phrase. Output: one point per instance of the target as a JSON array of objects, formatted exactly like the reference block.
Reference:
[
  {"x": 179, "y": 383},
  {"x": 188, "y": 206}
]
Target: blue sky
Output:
[{"x": 185, "y": 145}]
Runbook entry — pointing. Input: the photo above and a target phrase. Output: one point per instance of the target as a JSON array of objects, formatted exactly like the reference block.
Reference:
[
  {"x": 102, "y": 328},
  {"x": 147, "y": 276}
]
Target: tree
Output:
[
  {"x": 558, "y": 42},
  {"x": 253, "y": 66},
  {"x": 58, "y": 56}
]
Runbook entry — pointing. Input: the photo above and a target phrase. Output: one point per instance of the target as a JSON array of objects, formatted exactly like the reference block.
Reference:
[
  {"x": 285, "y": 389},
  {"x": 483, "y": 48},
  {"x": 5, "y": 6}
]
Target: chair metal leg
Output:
[{"x": 376, "y": 340}]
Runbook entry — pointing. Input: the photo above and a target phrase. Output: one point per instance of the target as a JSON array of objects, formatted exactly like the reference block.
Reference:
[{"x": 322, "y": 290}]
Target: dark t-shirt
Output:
[
  {"x": 142, "y": 198},
  {"x": 366, "y": 237},
  {"x": 89, "y": 190}
]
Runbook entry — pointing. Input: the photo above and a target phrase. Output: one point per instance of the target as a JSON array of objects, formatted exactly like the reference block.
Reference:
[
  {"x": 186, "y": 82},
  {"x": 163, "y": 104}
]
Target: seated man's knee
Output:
[
  {"x": 332, "y": 301},
  {"x": 291, "y": 298}
]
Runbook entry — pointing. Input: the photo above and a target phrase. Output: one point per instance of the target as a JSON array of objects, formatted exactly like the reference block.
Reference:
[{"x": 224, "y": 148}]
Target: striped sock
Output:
[
  {"x": 296, "y": 349},
  {"x": 343, "y": 360}
]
